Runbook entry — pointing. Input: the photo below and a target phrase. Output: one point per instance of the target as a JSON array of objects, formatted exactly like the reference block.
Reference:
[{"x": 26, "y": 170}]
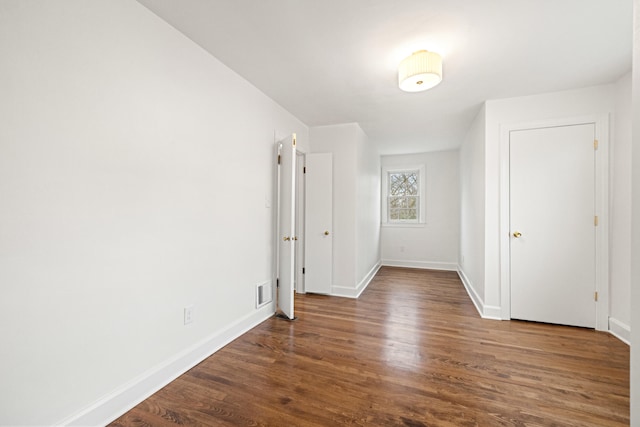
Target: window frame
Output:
[{"x": 421, "y": 220}]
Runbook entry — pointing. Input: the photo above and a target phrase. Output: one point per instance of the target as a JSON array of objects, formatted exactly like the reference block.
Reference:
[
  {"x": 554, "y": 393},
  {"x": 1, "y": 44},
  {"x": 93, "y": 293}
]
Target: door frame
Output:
[{"x": 601, "y": 123}]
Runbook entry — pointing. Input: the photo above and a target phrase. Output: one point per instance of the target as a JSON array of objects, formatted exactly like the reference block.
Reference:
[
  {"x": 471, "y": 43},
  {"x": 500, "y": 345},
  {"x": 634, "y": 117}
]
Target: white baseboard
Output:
[
  {"x": 620, "y": 330},
  {"x": 485, "y": 311},
  {"x": 343, "y": 291},
  {"x": 350, "y": 292},
  {"x": 427, "y": 265},
  {"x": 124, "y": 398},
  {"x": 368, "y": 278},
  {"x": 492, "y": 312},
  {"x": 475, "y": 298}
]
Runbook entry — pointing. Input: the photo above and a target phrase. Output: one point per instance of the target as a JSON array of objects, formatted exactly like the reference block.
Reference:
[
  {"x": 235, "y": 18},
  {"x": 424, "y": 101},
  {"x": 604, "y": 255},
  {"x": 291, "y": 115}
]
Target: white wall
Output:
[
  {"x": 340, "y": 140},
  {"x": 551, "y": 106},
  {"x": 134, "y": 170},
  {"x": 620, "y": 211},
  {"x": 367, "y": 209},
  {"x": 356, "y": 242},
  {"x": 480, "y": 163},
  {"x": 433, "y": 244},
  {"x": 472, "y": 209},
  {"x": 635, "y": 224}
]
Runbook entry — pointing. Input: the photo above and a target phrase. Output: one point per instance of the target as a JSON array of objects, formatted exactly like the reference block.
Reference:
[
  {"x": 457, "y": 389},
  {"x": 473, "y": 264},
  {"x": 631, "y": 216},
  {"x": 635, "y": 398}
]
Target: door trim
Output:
[
  {"x": 300, "y": 219},
  {"x": 601, "y": 123}
]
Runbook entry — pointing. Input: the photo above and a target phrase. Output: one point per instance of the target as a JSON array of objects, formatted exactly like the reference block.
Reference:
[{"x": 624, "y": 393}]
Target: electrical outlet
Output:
[{"x": 189, "y": 314}]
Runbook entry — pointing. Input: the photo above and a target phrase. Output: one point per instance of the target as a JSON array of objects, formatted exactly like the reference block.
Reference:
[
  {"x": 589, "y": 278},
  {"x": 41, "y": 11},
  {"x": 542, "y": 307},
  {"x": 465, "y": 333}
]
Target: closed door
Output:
[
  {"x": 286, "y": 224},
  {"x": 552, "y": 222},
  {"x": 318, "y": 222}
]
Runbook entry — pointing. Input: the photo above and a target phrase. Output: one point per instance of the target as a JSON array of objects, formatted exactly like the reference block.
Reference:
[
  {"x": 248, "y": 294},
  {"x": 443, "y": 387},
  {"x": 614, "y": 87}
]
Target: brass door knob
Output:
[
  {"x": 517, "y": 234},
  {"x": 286, "y": 238},
  {"x": 326, "y": 233}
]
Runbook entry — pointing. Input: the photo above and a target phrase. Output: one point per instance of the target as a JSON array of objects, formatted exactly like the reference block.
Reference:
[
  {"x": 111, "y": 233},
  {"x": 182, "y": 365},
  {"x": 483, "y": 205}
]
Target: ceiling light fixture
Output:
[{"x": 420, "y": 71}]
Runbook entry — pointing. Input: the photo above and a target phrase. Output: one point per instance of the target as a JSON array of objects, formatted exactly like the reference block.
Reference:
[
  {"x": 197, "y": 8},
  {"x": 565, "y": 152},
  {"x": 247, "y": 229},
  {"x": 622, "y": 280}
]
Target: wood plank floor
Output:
[{"x": 411, "y": 351}]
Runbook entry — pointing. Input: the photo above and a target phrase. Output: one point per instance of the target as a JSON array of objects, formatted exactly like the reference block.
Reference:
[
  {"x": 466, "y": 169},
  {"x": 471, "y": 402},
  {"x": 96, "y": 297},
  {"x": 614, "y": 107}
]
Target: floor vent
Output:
[{"x": 263, "y": 294}]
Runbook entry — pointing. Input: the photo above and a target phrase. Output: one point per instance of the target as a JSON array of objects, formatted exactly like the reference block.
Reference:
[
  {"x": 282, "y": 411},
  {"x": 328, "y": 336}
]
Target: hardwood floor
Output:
[{"x": 411, "y": 351}]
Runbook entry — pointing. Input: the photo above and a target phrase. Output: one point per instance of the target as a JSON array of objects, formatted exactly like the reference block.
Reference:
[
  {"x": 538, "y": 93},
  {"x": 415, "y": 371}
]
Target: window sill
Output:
[{"x": 403, "y": 224}]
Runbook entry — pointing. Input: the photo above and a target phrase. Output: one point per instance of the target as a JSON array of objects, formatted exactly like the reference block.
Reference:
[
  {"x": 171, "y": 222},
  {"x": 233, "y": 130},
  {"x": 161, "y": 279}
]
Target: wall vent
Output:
[{"x": 264, "y": 294}]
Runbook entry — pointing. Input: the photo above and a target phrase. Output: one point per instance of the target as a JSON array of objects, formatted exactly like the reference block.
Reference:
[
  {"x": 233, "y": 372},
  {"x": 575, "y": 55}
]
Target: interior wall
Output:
[
  {"x": 356, "y": 205},
  {"x": 434, "y": 244},
  {"x": 590, "y": 101},
  {"x": 635, "y": 225},
  {"x": 472, "y": 208},
  {"x": 367, "y": 209},
  {"x": 340, "y": 140},
  {"x": 136, "y": 178},
  {"x": 620, "y": 210}
]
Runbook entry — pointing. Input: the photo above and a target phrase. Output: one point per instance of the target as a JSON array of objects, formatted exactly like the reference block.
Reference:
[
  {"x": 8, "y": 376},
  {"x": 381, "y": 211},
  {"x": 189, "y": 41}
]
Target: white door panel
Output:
[
  {"x": 552, "y": 208},
  {"x": 319, "y": 222},
  {"x": 286, "y": 224}
]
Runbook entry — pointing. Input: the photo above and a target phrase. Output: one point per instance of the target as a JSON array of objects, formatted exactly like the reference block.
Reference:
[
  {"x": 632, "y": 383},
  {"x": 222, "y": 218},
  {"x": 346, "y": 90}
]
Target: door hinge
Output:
[
  {"x": 595, "y": 220},
  {"x": 595, "y": 144},
  {"x": 278, "y": 158},
  {"x": 304, "y": 169},
  {"x": 302, "y": 270},
  {"x": 595, "y": 296},
  {"x": 294, "y": 139},
  {"x": 277, "y": 283}
]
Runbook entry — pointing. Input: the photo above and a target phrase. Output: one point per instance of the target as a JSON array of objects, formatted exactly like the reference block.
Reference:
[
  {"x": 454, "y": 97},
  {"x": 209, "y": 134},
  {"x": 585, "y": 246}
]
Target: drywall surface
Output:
[
  {"x": 592, "y": 101},
  {"x": 635, "y": 224},
  {"x": 435, "y": 243},
  {"x": 620, "y": 210},
  {"x": 136, "y": 178},
  {"x": 367, "y": 209},
  {"x": 472, "y": 206},
  {"x": 340, "y": 140},
  {"x": 356, "y": 204}
]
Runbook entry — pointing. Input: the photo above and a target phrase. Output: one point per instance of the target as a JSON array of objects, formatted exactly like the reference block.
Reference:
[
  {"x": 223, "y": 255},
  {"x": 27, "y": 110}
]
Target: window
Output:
[{"x": 403, "y": 195}]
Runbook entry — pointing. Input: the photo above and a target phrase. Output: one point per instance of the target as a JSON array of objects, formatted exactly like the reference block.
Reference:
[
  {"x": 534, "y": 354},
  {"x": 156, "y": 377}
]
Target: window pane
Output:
[
  {"x": 403, "y": 183},
  {"x": 403, "y": 197},
  {"x": 412, "y": 184}
]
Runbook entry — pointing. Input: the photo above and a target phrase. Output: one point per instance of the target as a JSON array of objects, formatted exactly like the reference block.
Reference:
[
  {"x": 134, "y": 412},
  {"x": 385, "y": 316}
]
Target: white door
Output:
[
  {"x": 318, "y": 222},
  {"x": 552, "y": 222},
  {"x": 286, "y": 224}
]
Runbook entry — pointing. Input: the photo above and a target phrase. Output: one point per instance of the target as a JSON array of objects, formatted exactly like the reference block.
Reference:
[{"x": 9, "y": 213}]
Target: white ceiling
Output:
[{"x": 335, "y": 61}]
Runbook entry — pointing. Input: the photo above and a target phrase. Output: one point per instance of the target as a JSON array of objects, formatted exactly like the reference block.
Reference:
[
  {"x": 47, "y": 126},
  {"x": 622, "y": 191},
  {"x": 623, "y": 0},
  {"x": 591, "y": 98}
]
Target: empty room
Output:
[{"x": 318, "y": 213}]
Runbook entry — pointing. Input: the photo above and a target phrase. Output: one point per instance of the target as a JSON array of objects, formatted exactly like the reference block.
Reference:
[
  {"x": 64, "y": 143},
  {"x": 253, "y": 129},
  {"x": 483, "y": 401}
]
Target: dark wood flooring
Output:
[{"x": 411, "y": 351}]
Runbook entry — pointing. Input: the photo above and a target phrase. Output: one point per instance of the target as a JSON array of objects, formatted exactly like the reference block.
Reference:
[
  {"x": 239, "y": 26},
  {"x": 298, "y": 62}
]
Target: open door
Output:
[{"x": 286, "y": 225}]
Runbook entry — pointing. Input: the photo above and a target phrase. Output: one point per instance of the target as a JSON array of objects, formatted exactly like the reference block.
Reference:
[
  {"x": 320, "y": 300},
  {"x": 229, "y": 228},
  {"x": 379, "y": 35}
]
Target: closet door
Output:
[
  {"x": 319, "y": 222},
  {"x": 286, "y": 224},
  {"x": 553, "y": 228}
]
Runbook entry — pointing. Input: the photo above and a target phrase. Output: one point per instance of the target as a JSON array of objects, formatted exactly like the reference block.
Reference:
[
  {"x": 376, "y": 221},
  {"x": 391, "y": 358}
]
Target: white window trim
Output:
[{"x": 385, "y": 187}]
